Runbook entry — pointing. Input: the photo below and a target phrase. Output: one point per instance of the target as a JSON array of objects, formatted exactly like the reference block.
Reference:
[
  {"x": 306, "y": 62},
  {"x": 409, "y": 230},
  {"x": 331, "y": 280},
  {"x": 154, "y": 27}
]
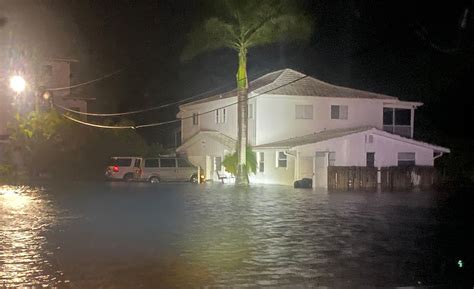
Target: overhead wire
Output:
[
  {"x": 178, "y": 120},
  {"x": 87, "y": 82},
  {"x": 205, "y": 93}
]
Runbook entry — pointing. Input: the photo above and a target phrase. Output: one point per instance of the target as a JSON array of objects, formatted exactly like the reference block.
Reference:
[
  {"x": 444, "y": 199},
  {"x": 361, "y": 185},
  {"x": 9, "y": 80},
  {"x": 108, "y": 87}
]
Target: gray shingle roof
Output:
[
  {"x": 285, "y": 82},
  {"x": 314, "y": 137}
]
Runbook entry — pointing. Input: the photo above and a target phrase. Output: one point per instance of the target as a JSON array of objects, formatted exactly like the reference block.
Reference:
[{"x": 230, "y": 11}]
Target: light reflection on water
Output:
[
  {"x": 24, "y": 218},
  {"x": 126, "y": 235}
]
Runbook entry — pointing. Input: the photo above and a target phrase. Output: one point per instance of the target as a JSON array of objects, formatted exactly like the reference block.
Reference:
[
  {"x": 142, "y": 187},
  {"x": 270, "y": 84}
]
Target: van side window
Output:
[
  {"x": 152, "y": 163},
  {"x": 168, "y": 163},
  {"x": 183, "y": 163},
  {"x": 137, "y": 163}
]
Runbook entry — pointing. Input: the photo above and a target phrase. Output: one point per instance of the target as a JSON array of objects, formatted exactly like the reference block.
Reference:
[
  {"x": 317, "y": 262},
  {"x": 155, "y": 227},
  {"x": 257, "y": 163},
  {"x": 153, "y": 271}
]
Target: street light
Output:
[{"x": 17, "y": 83}]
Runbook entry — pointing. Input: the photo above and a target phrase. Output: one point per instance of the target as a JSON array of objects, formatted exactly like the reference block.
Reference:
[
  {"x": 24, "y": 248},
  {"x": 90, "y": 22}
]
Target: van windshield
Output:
[{"x": 120, "y": 162}]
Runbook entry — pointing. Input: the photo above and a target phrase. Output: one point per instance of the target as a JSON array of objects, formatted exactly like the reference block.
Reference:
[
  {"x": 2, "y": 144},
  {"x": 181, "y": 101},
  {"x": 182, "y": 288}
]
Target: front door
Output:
[{"x": 320, "y": 179}]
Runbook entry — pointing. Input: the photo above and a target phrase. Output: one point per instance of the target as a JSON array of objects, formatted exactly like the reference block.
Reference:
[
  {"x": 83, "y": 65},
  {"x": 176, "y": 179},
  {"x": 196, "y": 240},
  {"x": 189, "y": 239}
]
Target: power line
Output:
[
  {"x": 177, "y": 120},
  {"x": 142, "y": 110},
  {"x": 87, "y": 82},
  {"x": 205, "y": 93}
]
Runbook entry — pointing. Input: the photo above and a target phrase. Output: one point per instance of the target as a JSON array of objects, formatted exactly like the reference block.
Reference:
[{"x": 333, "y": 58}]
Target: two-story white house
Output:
[{"x": 299, "y": 125}]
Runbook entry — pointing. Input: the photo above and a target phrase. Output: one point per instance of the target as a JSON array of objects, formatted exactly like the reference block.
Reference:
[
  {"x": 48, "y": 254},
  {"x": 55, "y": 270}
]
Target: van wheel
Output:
[
  {"x": 194, "y": 179},
  {"x": 154, "y": 180},
  {"x": 128, "y": 177}
]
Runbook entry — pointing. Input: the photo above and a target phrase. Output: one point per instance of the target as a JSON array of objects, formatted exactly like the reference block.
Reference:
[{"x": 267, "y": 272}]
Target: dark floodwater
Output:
[{"x": 127, "y": 235}]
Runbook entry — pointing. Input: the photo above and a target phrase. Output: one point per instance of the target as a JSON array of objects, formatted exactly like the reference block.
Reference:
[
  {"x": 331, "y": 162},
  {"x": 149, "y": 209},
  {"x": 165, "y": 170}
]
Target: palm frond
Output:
[
  {"x": 284, "y": 27},
  {"x": 214, "y": 33}
]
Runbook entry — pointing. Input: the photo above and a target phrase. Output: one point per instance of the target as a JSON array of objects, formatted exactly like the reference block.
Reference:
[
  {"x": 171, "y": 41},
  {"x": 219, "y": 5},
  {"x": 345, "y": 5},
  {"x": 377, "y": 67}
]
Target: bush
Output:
[{"x": 50, "y": 145}]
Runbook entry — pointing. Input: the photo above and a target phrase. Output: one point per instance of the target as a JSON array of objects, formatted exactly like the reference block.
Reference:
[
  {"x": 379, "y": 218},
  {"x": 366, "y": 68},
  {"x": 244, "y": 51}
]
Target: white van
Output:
[{"x": 166, "y": 169}]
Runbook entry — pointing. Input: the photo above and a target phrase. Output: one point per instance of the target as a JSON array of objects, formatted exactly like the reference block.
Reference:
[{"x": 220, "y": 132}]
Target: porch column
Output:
[{"x": 412, "y": 121}]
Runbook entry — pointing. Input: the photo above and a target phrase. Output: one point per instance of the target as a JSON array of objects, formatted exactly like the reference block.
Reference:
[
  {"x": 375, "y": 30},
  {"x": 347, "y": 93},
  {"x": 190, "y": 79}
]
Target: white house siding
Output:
[
  {"x": 352, "y": 150},
  {"x": 276, "y": 116},
  {"x": 207, "y": 122},
  {"x": 273, "y": 174},
  {"x": 202, "y": 152}
]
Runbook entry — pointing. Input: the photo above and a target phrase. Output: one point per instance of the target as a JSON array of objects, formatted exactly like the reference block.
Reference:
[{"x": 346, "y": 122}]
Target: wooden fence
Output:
[{"x": 391, "y": 178}]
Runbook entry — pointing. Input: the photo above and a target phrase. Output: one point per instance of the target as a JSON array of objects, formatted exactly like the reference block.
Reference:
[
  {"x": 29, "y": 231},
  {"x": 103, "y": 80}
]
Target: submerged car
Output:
[{"x": 153, "y": 170}]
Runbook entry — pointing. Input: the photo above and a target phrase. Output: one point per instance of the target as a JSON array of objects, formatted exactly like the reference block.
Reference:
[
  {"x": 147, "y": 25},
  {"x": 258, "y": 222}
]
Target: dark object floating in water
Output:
[{"x": 303, "y": 183}]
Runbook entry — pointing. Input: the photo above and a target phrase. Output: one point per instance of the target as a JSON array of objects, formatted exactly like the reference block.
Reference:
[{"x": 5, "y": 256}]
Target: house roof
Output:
[
  {"x": 291, "y": 82},
  {"x": 337, "y": 133},
  {"x": 214, "y": 135},
  {"x": 313, "y": 138}
]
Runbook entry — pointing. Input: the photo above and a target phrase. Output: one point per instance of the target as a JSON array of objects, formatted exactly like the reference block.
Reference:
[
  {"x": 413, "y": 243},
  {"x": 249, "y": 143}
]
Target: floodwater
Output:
[{"x": 132, "y": 235}]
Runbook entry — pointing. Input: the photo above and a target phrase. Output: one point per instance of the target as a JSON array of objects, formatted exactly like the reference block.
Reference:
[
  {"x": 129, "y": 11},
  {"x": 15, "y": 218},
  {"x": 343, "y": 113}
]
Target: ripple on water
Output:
[{"x": 25, "y": 218}]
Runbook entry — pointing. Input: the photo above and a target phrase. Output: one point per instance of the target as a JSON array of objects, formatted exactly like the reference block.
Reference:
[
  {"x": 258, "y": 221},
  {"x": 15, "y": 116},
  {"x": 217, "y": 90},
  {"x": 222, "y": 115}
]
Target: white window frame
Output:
[
  {"x": 277, "y": 157},
  {"x": 343, "y": 111},
  {"x": 304, "y": 111},
  {"x": 221, "y": 115}
]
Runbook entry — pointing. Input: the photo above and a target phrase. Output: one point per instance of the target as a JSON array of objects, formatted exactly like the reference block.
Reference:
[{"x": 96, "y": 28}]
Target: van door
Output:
[
  {"x": 168, "y": 169},
  {"x": 137, "y": 169},
  {"x": 185, "y": 170},
  {"x": 150, "y": 168}
]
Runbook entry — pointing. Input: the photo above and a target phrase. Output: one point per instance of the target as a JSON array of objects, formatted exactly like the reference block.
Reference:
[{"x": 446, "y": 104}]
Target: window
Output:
[
  {"x": 281, "y": 160},
  {"x": 402, "y": 116},
  {"x": 152, "y": 163},
  {"x": 137, "y": 163},
  {"x": 261, "y": 161},
  {"x": 370, "y": 160},
  {"x": 250, "y": 111},
  {"x": 217, "y": 164},
  {"x": 195, "y": 119},
  {"x": 396, "y": 116},
  {"x": 339, "y": 111},
  {"x": 304, "y": 111},
  {"x": 221, "y": 115},
  {"x": 121, "y": 162},
  {"x": 387, "y": 116},
  {"x": 182, "y": 163},
  {"x": 167, "y": 163},
  {"x": 331, "y": 158},
  {"x": 406, "y": 159},
  {"x": 369, "y": 138}
]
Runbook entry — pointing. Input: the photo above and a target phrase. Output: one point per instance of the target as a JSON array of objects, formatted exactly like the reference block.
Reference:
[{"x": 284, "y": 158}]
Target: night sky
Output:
[{"x": 415, "y": 51}]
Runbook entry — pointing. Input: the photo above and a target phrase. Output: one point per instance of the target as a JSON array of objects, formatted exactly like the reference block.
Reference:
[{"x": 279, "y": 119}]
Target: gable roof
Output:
[
  {"x": 337, "y": 133},
  {"x": 290, "y": 82},
  {"x": 214, "y": 135}
]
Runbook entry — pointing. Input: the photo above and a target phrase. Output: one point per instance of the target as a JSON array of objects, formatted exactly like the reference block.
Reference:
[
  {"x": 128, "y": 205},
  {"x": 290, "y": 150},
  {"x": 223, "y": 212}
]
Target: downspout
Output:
[{"x": 437, "y": 156}]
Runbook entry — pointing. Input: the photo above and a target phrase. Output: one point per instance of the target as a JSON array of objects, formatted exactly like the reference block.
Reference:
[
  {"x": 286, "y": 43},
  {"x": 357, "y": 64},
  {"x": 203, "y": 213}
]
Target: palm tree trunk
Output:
[{"x": 241, "y": 178}]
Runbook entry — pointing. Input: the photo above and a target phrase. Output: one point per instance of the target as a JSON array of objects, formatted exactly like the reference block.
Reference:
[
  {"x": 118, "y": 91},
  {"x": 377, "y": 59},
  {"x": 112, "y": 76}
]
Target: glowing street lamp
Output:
[{"x": 17, "y": 83}]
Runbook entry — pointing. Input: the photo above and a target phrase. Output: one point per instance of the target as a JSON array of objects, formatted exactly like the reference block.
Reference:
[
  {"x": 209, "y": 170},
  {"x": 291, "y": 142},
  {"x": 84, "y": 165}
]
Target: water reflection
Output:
[{"x": 24, "y": 218}]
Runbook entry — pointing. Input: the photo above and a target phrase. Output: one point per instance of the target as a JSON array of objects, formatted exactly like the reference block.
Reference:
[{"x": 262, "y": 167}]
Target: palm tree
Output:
[{"x": 240, "y": 25}]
